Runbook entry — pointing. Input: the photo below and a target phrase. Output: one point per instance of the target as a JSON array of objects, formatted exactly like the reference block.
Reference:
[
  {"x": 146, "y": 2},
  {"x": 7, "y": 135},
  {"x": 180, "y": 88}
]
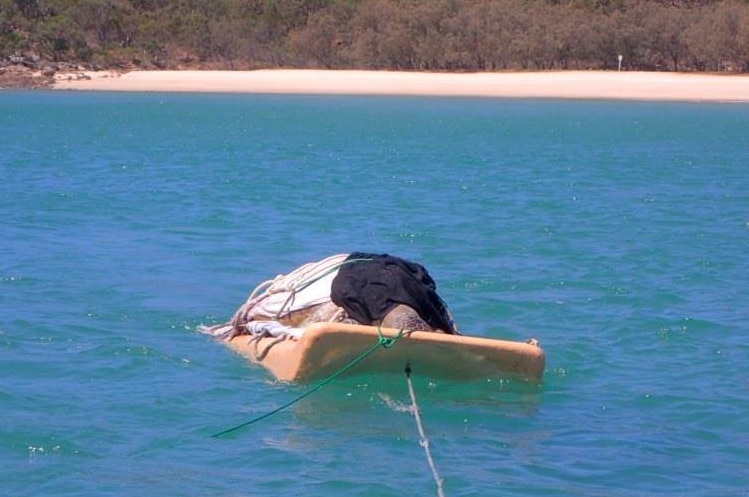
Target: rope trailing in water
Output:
[
  {"x": 423, "y": 440},
  {"x": 382, "y": 341}
]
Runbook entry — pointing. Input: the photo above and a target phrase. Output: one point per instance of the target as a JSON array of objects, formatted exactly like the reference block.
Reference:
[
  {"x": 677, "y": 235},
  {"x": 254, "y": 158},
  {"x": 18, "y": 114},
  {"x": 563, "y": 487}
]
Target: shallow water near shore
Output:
[{"x": 616, "y": 233}]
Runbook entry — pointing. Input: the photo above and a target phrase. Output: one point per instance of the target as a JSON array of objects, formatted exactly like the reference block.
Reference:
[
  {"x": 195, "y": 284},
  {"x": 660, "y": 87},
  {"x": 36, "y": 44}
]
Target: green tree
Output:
[
  {"x": 113, "y": 22},
  {"x": 59, "y": 38}
]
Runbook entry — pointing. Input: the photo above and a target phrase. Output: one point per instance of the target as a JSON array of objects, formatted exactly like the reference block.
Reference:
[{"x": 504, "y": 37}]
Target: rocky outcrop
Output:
[
  {"x": 20, "y": 76},
  {"x": 30, "y": 71}
]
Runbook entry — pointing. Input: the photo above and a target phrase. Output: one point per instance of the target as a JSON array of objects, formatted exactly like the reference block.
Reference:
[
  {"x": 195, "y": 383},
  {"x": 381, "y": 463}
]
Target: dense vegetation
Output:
[{"x": 435, "y": 35}]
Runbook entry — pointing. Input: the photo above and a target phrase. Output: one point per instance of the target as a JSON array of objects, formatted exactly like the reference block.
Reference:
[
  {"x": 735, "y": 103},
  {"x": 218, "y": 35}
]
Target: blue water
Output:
[{"x": 616, "y": 233}]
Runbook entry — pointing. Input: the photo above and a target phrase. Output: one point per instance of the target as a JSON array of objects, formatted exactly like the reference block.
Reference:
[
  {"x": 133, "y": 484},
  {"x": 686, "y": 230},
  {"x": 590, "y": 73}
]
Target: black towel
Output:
[{"x": 369, "y": 289}]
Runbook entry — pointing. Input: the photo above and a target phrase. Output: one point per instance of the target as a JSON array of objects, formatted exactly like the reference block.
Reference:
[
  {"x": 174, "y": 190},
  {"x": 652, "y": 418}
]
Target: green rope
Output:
[{"x": 382, "y": 341}]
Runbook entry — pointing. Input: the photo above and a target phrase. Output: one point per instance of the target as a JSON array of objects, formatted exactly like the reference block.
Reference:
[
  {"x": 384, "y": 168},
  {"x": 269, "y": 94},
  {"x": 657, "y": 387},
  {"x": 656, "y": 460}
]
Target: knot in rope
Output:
[{"x": 386, "y": 342}]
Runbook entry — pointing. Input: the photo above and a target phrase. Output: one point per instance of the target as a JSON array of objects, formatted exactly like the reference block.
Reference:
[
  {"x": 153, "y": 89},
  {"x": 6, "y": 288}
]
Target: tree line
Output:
[{"x": 422, "y": 35}]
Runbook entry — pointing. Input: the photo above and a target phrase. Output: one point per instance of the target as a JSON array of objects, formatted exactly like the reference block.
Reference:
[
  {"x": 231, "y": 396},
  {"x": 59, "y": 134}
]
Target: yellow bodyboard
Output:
[{"x": 325, "y": 348}]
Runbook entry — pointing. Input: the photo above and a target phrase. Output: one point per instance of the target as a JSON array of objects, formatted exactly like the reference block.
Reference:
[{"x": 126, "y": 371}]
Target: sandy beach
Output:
[{"x": 551, "y": 84}]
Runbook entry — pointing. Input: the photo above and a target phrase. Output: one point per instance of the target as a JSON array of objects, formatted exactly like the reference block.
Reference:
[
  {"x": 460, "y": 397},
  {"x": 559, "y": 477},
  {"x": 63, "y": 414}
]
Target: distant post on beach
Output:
[{"x": 620, "y": 62}]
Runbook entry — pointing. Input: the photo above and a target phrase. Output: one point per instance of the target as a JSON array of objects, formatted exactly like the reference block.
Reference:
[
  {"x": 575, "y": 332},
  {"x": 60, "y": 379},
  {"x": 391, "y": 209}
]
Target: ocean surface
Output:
[{"x": 615, "y": 233}]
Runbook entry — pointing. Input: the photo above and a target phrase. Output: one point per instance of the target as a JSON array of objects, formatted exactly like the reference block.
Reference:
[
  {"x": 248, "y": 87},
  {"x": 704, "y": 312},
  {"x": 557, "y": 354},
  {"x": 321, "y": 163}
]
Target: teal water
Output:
[{"x": 615, "y": 233}]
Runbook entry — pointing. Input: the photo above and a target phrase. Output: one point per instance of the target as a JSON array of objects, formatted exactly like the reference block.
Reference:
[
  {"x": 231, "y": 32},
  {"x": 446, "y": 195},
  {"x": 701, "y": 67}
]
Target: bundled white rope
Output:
[
  {"x": 284, "y": 298},
  {"x": 423, "y": 440}
]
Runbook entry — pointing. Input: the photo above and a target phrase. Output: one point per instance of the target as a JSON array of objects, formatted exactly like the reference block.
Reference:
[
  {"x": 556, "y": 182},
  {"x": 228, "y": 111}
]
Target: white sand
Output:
[{"x": 552, "y": 84}]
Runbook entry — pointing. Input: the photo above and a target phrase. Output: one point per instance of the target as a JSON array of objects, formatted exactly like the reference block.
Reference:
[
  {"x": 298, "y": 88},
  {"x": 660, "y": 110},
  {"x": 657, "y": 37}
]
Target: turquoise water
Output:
[{"x": 615, "y": 233}]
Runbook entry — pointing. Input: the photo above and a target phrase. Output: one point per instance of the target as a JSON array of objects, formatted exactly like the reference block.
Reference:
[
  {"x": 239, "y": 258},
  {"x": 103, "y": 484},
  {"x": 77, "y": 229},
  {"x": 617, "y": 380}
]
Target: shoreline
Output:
[{"x": 579, "y": 85}]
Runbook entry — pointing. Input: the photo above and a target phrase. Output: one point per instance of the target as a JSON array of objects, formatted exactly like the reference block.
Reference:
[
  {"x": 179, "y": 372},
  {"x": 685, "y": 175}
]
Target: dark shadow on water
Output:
[{"x": 367, "y": 400}]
